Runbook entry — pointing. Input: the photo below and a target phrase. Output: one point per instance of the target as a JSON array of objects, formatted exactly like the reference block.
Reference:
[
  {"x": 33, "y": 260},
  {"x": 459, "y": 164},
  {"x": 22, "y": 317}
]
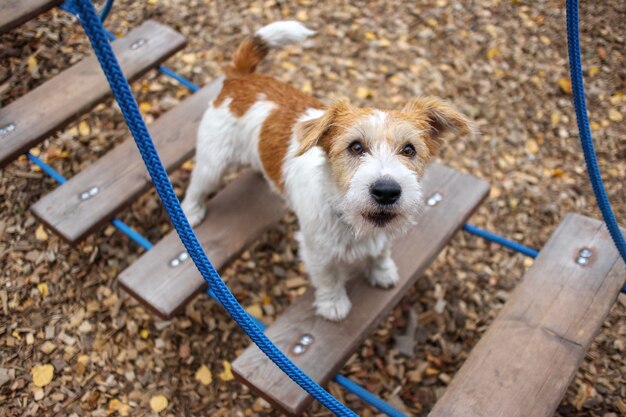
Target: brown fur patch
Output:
[
  {"x": 245, "y": 59},
  {"x": 437, "y": 118},
  {"x": 278, "y": 127}
]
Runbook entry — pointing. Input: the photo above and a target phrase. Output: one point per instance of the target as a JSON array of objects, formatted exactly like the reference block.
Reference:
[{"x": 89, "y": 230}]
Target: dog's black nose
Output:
[{"x": 386, "y": 191}]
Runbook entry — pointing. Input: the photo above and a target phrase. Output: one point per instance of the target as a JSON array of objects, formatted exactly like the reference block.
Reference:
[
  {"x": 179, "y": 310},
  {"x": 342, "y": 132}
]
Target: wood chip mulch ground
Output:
[{"x": 71, "y": 344}]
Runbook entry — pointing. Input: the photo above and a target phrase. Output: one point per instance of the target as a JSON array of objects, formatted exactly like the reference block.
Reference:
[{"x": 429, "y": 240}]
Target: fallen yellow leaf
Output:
[
  {"x": 188, "y": 165},
  {"x": 492, "y": 53},
  {"x": 227, "y": 375},
  {"x": 43, "y": 289},
  {"x": 307, "y": 88},
  {"x": 255, "y": 311},
  {"x": 364, "y": 92},
  {"x": 370, "y": 36},
  {"x": 566, "y": 86},
  {"x": 42, "y": 375},
  {"x": 615, "y": 116},
  {"x": 40, "y": 234},
  {"x": 32, "y": 63},
  {"x": 83, "y": 128},
  {"x": 144, "y": 333},
  {"x": 531, "y": 146},
  {"x": 593, "y": 71},
  {"x": 158, "y": 403},
  {"x": 145, "y": 107},
  {"x": 203, "y": 375},
  {"x": 116, "y": 405},
  {"x": 189, "y": 58}
]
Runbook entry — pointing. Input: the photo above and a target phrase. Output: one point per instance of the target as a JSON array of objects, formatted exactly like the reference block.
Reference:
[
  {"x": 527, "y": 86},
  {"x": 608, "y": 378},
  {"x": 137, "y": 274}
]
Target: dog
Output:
[{"x": 351, "y": 175}]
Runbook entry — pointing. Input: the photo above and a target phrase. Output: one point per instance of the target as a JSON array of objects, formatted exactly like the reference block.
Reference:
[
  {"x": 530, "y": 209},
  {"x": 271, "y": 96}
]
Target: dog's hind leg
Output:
[{"x": 215, "y": 157}]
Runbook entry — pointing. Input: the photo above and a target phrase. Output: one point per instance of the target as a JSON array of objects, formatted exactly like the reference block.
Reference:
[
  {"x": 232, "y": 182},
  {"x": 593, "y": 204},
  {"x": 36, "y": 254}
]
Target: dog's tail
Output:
[{"x": 254, "y": 49}]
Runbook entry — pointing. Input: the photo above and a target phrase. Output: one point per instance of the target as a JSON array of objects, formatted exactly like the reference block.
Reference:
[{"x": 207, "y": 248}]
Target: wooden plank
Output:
[
  {"x": 120, "y": 176},
  {"x": 335, "y": 342},
  {"x": 235, "y": 217},
  {"x": 29, "y": 119},
  {"x": 524, "y": 363},
  {"x": 15, "y": 12}
]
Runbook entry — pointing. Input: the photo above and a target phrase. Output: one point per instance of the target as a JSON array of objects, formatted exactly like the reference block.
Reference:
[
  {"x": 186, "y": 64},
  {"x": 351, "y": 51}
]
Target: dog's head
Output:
[{"x": 377, "y": 158}]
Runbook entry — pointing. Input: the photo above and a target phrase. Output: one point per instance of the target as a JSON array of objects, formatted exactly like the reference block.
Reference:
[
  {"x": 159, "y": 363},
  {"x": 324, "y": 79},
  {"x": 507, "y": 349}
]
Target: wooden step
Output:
[
  {"x": 15, "y": 12},
  {"x": 524, "y": 363},
  {"x": 333, "y": 343},
  {"x": 32, "y": 117},
  {"x": 120, "y": 176},
  {"x": 235, "y": 217}
]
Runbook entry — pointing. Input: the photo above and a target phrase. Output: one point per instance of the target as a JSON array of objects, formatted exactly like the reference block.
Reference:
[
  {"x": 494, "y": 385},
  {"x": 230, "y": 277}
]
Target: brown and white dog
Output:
[{"x": 352, "y": 175}]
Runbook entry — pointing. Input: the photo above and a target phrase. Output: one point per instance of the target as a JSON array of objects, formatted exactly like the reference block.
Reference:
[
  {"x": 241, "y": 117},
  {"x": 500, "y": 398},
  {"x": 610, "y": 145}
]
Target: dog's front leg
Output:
[
  {"x": 329, "y": 281},
  {"x": 331, "y": 299},
  {"x": 383, "y": 271}
]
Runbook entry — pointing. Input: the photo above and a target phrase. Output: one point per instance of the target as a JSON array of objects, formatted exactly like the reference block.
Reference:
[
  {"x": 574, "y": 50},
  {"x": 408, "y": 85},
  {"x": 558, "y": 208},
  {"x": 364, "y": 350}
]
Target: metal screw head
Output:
[
  {"x": 138, "y": 44},
  {"x": 306, "y": 339},
  {"x": 298, "y": 349},
  {"x": 174, "y": 262},
  {"x": 582, "y": 260},
  {"x": 183, "y": 256},
  {"x": 86, "y": 195},
  {"x": 434, "y": 199},
  {"x": 7, "y": 129},
  {"x": 585, "y": 253}
]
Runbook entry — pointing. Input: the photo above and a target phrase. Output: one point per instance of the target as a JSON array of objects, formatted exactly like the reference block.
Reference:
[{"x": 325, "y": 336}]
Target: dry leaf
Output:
[
  {"x": 307, "y": 88},
  {"x": 42, "y": 375},
  {"x": 43, "y": 289},
  {"x": 188, "y": 166},
  {"x": 531, "y": 146},
  {"x": 492, "y": 53},
  {"x": 189, "y": 58},
  {"x": 144, "y": 333},
  {"x": 364, "y": 92},
  {"x": 255, "y": 311},
  {"x": 32, "y": 65},
  {"x": 116, "y": 405},
  {"x": 83, "y": 128},
  {"x": 203, "y": 375},
  {"x": 40, "y": 234},
  {"x": 566, "y": 86},
  {"x": 227, "y": 375},
  {"x": 615, "y": 116},
  {"x": 145, "y": 107},
  {"x": 158, "y": 403}
]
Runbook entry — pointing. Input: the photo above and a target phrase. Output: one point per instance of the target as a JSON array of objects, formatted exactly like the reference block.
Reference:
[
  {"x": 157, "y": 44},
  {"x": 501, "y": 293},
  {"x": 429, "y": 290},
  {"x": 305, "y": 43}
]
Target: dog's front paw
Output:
[
  {"x": 195, "y": 213},
  {"x": 384, "y": 274},
  {"x": 335, "y": 308}
]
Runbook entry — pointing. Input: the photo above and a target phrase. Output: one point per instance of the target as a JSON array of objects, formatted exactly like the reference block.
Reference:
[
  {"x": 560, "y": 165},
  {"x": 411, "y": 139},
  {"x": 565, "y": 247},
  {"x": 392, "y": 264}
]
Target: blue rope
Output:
[
  {"x": 518, "y": 247},
  {"x": 184, "y": 81},
  {"x": 120, "y": 225},
  {"x": 106, "y": 10},
  {"x": 99, "y": 40},
  {"x": 586, "y": 140}
]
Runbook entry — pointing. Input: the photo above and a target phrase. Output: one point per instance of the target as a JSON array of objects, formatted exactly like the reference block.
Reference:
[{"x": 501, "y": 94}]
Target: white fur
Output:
[
  {"x": 281, "y": 33},
  {"x": 226, "y": 143}
]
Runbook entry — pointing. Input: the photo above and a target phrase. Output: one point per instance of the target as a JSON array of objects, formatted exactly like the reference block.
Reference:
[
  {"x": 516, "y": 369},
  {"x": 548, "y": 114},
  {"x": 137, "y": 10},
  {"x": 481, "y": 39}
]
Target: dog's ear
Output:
[
  {"x": 312, "y": 132},
  {"x": 440, "y": 119}
]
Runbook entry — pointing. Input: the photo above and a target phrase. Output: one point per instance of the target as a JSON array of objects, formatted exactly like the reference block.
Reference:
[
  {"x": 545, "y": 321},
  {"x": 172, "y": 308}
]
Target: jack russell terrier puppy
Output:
[{"x": 352, "y": 175}]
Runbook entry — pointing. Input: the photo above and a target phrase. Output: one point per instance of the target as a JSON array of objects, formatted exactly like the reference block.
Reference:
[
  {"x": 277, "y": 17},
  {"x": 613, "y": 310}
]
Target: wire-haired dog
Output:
[{"x": 352, "y": 175}]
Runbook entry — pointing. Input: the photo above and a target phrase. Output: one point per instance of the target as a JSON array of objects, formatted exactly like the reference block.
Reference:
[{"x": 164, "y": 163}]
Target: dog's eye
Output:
[
  {"x": 356, "y": 148},
  {"x": 408, "y": 151}
]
